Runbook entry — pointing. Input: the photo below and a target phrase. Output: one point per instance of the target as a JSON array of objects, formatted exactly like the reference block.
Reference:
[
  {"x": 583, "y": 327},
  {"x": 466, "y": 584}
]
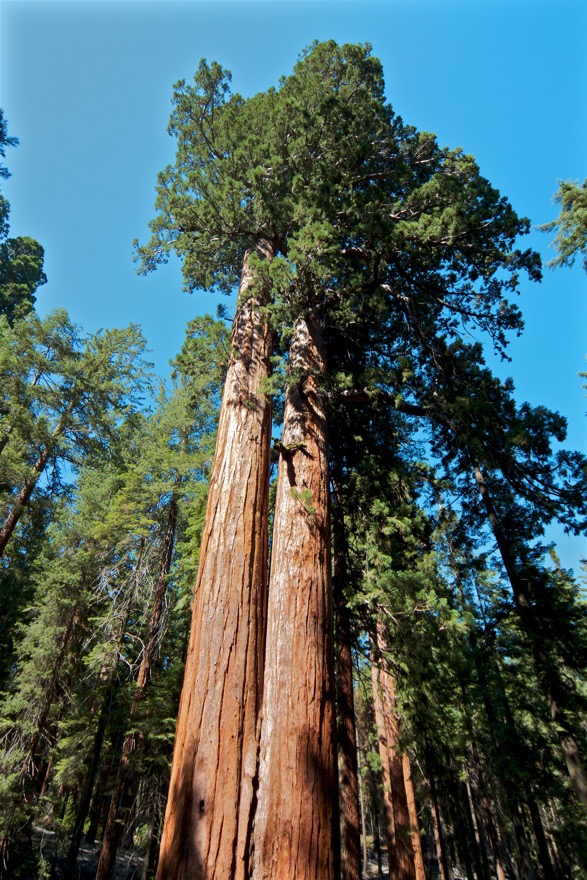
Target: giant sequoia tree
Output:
[{"x": 365, "y": 252}]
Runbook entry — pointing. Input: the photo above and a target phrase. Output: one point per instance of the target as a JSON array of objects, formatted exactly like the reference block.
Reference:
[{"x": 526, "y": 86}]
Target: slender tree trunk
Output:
[
  {"x": 375, "y": 817},
  {"x": 545, "y": 665},
  {"x": 150, "y": 854},
  {"x": 114, "y": 823},
  {"x": 402, "y": 865},
  {"x": 208, "y": 816},
  {"x": 364, "y": 853},
  {"x": 22, "y": 499},
  {"x": 414, "y": 822},
  {"x": 496, "y": 725},
  {"x": 85, "y": 798},
  {"x": 465, "y": 845},
  {"x": 479, "y": 852},
  {"x": 34, "y": 768},
  {"x": 548, "y": 871},
  {"x": 443, "y": 867},
  {"x": 487, "y": 812},
  {"x": 295, "y": 819},
  {"x": 98, "y": 807},
  {"x": 385, "y": 770},
  {"x": 348, "y": 779}
]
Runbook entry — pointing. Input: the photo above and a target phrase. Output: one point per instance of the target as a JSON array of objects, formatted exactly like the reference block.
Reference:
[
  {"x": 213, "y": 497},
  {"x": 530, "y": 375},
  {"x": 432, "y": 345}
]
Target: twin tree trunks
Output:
[
  {"x": 253, "y": 788},
  {"x": 253, "y": 792}
]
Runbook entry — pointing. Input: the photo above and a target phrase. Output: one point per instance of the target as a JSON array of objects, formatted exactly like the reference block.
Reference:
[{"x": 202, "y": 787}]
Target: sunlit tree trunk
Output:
[
  {"x": 296, "y": 810},
  {"x": 208, "y": 814}
]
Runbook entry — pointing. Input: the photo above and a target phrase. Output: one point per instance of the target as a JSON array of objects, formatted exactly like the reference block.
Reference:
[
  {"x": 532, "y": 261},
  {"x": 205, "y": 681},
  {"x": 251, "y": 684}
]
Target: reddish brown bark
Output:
[
  {"x": 207, "y": 819},
  {"x": 22, "y": 499},
  {"x": 413, "y": 814},
  {"x": 296, "y": 809},
  {"x": 402, "y": 864}
]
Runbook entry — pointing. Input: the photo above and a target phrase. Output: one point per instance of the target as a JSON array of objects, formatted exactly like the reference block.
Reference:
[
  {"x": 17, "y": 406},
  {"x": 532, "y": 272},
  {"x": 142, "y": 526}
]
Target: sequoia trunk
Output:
[
  {"x": 211, "y": 790},
  {"x": 296, "y": 809}
]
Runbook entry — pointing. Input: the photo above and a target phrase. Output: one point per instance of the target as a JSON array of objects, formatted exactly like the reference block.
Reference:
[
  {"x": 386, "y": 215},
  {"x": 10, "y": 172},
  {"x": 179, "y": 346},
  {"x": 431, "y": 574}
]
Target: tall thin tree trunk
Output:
[
  {"x": 490, "y": 825},
  {"x": 496, "y": 725},
  {"x": 443, "y": 867},
  {"x": 479, "y": 852},
  {"x": 402, "y": 864},
  {"x": 414, "y": 822},
  {"x": 98, "y": 808},
  {"x": 375, "y": 816},
  {"x": 548, "y": 871},
  {"x": 295, "y": 818},
  {"x": 385, "y": 769},
  {"x": 364, "y": 853},
  {"x": 545, "y": 665},
  {"x": 85, "y": 798},
  {"x": 348, "y": 779},
  {"x": 208, "y": 816}
]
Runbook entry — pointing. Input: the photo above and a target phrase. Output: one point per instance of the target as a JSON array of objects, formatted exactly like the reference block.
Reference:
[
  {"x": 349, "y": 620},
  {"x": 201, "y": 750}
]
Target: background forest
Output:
[{"x": 379, "y": 273}]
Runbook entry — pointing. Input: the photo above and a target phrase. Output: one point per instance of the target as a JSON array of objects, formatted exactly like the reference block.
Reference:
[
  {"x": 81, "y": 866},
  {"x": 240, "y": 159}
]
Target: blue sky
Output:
[{"x": 86, "y": 87}]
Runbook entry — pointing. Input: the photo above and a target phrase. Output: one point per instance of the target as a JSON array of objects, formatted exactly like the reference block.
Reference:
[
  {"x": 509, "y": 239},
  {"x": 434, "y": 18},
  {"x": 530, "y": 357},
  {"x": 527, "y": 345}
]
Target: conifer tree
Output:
[
  {"x": 21, "y": 259},
  {"x": 75, "y": 392}
]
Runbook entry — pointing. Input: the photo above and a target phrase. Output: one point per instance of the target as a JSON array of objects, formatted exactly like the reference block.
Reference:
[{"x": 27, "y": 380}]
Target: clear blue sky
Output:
[{"x": 86, "y": 86}]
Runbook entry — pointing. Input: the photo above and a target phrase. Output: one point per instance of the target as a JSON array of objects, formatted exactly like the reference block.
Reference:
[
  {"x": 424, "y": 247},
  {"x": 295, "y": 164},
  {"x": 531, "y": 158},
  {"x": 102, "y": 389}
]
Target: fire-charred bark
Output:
[
  {"x": 211, "y": 790},
  {"x": 296, "y": 806}
]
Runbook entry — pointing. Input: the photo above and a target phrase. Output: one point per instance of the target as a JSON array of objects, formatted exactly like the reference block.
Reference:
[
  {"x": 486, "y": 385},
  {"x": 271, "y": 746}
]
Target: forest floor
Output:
[
  {"x": 372, "y": 868},
  {"x": 129, "y": 863}
]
